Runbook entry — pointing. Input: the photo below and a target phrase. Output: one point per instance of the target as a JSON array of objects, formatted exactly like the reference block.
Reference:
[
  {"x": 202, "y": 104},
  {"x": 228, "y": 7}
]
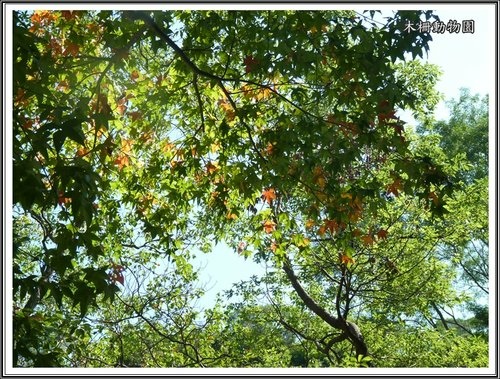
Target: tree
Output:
[
  {"x": 466, "y": 134},
  {"x": 139, "y": 136}
]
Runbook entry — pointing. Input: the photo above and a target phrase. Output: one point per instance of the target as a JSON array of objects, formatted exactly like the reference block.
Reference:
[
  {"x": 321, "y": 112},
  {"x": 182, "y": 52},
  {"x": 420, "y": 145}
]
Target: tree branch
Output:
[
  {"x": 441, "y": 317},
  {"x": 350, "y": 328}
]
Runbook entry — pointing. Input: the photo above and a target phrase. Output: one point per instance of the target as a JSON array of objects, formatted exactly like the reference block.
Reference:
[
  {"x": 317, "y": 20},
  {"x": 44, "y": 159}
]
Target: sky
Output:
[{"x": 467, "y": 61}]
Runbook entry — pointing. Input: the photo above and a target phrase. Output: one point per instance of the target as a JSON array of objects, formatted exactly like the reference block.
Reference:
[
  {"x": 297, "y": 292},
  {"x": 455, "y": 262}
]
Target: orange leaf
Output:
[
  {"x": 134, "y": 75},
  {"x": 250, "y": 63},
  {"x": 127, "y": 145},
  {"x": 69, "y": 15},
  {"x": 395, "y": 187},
  {"x": 71, "y": 49},
  {"x": 28, "y": 124},
  {"x": 43, "y": 17},
  {"x": 367, "y": 240},
  {"x": 55, "y": 47},
  {"x": 322, "y": 230},
  {"x": 62, "y": 86},
  {"x": 269, "y": 226},
  {"x": 270, "y": 148},
  {"x": 382, "y": 234},
  {"x": 269, "y": 195},
  {"x": 147, "y": 137},
  {"x": 228, "y": 108},
  {"x": 309, "y": 224},
  {"x": 121, "y": 109},
  {"x": 434, "y": 197},
  {"x": 117, "y": 276},
  {"x": 135, "y": 115},
  {"x": 318, "y": 171},
  {"x": 211, "y": 168},
  {"x": 122, "y": 161},
  {"x": 81, "y": 152},
  {"x": 356, "y": 233},
  {"x": 168, "y": 147},
  {"x": 345, "y": 259},
  {"x": 321, "y": 182},
  {"x": 332, "y": 225},
  {"x": 231, "y": 216},
  {"x": 319, "y": 177}
]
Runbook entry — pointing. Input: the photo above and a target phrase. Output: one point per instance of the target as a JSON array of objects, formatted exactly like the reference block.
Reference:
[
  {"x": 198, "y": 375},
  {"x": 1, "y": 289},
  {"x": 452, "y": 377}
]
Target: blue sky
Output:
[{"x": 467, "y": 60}]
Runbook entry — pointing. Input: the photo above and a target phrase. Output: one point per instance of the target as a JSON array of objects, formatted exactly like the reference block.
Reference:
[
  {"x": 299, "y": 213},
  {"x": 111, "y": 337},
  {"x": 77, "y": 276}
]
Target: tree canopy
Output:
[{"x": 141, "y": 138}]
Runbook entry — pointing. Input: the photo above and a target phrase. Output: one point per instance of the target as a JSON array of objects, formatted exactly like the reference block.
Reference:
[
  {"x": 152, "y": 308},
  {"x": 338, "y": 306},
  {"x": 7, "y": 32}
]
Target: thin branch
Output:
[
  {"x": 440, "y": 314},
  {"x": 248, "y": 129},
  {"x": 455, "y": 321},
  {"x": 200, "y": 103}
]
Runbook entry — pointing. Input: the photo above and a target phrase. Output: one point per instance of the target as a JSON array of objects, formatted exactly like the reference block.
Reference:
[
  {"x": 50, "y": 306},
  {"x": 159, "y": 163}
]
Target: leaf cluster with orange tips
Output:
[
  {"x": 319, "y": 177},
  {"x": 62, "y": 199},
  {"x": 257, "y": 94},
  {"x": 40, "y": 20},
  {"x": 227, "y": 108},
  {"x": 123, "y": 158}
]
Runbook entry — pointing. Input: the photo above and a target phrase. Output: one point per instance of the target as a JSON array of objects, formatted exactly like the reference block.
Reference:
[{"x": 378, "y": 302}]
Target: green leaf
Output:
[
  {"x": 73, "y": 130},
  {"x": 59, "y": 138}
]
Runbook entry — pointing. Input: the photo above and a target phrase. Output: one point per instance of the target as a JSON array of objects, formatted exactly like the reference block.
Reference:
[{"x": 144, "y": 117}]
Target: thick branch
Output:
[
  {"x": 441, "y": 317},
  {"x": 350, "y": 328}
]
